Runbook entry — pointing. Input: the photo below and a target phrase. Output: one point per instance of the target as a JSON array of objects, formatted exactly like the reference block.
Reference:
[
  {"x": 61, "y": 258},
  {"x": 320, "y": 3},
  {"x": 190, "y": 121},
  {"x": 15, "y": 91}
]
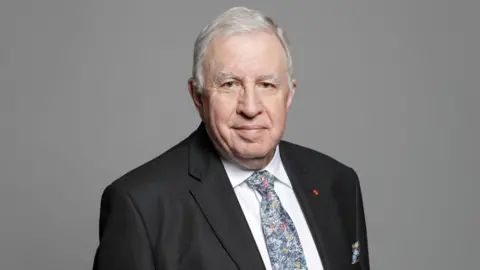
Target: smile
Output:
[
  {"x": 249, "y": 130},
  {"x": 249, "y": 127}
]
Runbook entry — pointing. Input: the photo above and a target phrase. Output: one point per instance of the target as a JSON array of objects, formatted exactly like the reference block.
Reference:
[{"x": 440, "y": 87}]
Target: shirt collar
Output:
[{"x": 238, "y": 175}]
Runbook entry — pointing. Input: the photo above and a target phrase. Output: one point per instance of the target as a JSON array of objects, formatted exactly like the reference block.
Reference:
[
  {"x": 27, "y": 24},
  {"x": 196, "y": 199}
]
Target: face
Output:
[{"x": 246, "y": 96}]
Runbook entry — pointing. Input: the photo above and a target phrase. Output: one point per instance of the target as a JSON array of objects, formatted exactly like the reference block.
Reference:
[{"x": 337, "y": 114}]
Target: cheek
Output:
[
  {"x": 277, "y": 111},
  {"x": 220, "y": 110}
]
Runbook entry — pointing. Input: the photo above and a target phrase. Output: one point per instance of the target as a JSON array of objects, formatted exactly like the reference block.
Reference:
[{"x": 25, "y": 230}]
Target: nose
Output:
[{"x": 249, "y": 104}]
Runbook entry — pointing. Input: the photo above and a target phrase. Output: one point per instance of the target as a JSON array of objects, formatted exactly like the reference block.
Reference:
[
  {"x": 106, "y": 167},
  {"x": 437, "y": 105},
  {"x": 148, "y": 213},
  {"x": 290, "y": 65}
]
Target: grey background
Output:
[{"x": 92, "y": 89}]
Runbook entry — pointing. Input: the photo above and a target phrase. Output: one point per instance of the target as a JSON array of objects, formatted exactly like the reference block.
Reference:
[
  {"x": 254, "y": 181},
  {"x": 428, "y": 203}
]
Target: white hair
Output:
[{"x": 234, "y": 21}]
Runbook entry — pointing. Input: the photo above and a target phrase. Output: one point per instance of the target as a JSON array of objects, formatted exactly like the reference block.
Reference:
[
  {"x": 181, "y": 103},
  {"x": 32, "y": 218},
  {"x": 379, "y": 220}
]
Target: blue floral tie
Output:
[{"x": 281, "y": 237}]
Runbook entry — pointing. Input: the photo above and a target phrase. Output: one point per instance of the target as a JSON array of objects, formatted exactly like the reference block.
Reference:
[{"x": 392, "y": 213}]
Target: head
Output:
[{"x": 242, "y": 85}]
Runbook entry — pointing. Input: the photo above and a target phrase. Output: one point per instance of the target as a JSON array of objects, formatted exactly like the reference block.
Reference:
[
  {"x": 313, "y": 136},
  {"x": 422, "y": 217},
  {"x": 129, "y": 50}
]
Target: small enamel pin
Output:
[
  {"x": 355, "y": 252},
  {"x": 315, "y": 192}
]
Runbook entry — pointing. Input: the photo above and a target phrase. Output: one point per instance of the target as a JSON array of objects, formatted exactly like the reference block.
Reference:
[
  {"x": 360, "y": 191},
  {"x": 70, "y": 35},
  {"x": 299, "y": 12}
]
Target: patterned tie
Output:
[{"x": 281, "y": 237}]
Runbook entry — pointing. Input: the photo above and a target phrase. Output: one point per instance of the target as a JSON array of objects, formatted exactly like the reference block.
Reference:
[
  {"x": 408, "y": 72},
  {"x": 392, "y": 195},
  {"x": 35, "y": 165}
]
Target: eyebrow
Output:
[
  {"x": 221, "y": 76},
  {"x": 269, "y": 77}
]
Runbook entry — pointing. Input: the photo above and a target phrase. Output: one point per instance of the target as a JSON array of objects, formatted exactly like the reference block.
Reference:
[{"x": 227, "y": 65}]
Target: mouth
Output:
[
  {"x": 249, "y": 132},
  {"x": 249, "y": 127}
]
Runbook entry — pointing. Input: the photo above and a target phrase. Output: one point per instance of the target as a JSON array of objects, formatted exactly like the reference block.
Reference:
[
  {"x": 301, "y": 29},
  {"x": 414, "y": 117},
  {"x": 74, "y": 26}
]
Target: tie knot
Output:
[{"x": 262, "y": 181}]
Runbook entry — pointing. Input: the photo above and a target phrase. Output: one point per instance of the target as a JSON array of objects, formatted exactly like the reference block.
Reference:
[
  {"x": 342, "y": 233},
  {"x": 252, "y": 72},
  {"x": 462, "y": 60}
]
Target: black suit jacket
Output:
[{"x": 179, "y": 211}]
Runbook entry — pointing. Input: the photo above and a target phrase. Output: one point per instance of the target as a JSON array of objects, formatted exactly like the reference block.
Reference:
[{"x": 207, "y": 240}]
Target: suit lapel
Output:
[
  {"x": 320, "y": 210},
  {"x": 219, "y": 204}
]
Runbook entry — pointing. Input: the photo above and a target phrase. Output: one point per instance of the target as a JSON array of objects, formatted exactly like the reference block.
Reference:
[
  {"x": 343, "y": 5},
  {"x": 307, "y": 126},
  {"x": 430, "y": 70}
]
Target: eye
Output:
[
  {"x": 229, "y": 84},
  {"x": 267, "y": 85}
]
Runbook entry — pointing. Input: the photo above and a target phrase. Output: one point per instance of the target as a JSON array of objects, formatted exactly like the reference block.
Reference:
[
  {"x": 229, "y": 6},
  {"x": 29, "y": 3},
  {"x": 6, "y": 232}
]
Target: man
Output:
[{"x": 233, "y": 195}]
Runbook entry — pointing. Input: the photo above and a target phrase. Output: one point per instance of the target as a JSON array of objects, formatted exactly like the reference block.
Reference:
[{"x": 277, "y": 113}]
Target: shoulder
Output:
[
  {"x": 342, "y": 178},
  {"x": 326, "y": 167},
  {"x": 312, "y": 158},
  {"x": 160, "y": 175}
]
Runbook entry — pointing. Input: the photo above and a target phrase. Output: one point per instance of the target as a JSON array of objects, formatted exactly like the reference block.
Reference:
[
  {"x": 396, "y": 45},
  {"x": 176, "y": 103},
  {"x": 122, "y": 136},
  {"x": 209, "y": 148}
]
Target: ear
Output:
[
  {"x": 291, "y": 93},
  {"x": 196, "y": 96}
]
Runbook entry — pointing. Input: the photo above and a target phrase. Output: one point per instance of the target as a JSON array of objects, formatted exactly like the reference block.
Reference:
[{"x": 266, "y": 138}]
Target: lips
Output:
[
  {"x": 249, "y": 127},
  {"x": 249, "y": 132}
]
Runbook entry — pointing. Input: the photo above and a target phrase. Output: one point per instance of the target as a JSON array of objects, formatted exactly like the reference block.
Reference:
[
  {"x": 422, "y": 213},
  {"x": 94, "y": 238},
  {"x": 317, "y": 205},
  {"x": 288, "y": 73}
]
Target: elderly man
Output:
[{"x": 234, "y": 195}]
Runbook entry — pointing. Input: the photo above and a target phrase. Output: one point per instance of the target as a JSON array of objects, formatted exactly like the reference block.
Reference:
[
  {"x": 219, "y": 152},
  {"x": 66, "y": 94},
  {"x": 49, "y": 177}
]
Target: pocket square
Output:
[{"x": 355, "y": 252}]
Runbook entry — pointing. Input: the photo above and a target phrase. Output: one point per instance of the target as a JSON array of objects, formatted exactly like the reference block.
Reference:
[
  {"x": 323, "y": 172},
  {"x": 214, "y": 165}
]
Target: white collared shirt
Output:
[{"x": 249, "y": 200}]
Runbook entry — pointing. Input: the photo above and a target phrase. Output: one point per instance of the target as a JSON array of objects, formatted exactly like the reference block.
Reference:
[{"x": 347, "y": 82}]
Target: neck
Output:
[
  {"x": 252, "y": 163},
  {"x": 255, "y": 163}
]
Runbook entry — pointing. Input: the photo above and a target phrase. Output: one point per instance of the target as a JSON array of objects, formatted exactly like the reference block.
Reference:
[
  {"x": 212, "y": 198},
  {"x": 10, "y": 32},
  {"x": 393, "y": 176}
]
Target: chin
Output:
[
  {"x": 254, "y": 151},
  {"x": 251, "y": 154},
  {"x": 253, "y": 159}
]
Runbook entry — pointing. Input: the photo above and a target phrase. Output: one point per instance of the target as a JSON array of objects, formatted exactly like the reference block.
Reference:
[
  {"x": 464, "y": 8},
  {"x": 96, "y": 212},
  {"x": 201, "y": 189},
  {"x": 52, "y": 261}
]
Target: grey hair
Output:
[{"x": 234, "y": 21}]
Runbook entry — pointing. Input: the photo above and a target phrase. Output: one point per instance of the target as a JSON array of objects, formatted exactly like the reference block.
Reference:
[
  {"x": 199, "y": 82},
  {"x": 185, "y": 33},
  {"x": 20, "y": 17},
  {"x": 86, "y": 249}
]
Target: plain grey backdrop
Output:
[{"x": 91, "y": 89}]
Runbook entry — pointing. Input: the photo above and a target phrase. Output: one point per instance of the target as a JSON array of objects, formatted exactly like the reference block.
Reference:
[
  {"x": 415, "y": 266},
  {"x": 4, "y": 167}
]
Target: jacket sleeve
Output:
[
  {"x": 349, "y": 198},
  {"x": 124, "y": 243},
  {"x": 361, "y": 227}
]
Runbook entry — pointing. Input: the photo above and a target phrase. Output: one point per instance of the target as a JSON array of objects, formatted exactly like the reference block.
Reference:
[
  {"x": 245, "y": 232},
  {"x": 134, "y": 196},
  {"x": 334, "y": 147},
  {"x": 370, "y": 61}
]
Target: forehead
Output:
[{"x": 246, "y": 54}]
